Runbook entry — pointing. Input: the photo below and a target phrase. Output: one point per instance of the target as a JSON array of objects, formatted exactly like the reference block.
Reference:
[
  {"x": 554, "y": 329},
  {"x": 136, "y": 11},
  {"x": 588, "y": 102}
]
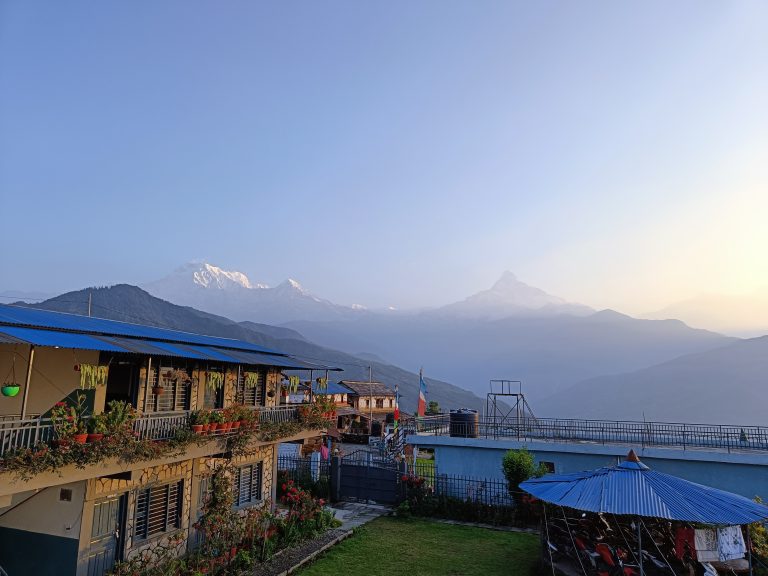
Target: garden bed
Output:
[{"x": 287, "y": 561}]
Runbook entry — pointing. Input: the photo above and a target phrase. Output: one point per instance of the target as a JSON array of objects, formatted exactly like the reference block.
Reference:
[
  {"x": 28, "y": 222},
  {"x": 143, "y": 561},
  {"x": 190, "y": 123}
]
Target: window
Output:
[
  {"x": 254, "y": 395},
  {"x": 247, "y": 484},
  {"x": 158, "y": 510},
  {"x": 550, "y": 466},
  {"x": 379, "y": 402},
  {"x": 175, "y": 394},
  {"x": 214, "y": 398}
]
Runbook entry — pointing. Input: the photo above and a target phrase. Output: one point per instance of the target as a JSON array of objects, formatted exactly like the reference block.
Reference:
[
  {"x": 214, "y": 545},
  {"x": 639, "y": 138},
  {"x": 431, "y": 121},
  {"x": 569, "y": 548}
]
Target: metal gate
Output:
[
  {"x": 367, "y": 476},
  {"x": 107, "y": 534}
]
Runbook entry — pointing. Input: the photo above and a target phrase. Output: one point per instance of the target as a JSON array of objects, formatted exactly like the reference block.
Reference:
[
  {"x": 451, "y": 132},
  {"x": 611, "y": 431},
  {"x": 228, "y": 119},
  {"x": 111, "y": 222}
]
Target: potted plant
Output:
[
  {"x": 97, "y": 426},
  {"x": 157, "y": 389},
  {"x": 68, "y": 421},
  {"x": 198, "y": 419},
  {"x": 81, "y": 433},
  {"x": 10, "y": 389},
  {"x": 120, "y": 415},
  {"x": 217, "y": 421}
]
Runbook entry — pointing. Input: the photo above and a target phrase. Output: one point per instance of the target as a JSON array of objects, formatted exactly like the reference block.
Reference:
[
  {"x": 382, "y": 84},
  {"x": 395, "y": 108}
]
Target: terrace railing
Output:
[
  {"x": 660, "y": 434},
  {"x": 25, "y": 433},
  {"x": 16, "y": 433},
  {"x": 160, "y": 425},
  {"x": 279, "y": 414}
]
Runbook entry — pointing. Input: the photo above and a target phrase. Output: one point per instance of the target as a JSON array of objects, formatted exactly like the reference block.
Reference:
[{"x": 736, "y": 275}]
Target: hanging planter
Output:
[
  {"x": 10, "y": 390},
  {"x": 92, "y": 376},
  {"x": 157, "y": 390},
  {"x": 214, "y": 380},
  {"x": 251, "y": 379},
  {"x": 180, "y": 375}
]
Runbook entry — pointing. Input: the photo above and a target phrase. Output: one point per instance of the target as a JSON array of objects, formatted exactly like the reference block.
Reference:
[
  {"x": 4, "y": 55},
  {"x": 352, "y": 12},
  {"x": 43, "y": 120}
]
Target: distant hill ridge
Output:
[{"x": 132, "y": 304}]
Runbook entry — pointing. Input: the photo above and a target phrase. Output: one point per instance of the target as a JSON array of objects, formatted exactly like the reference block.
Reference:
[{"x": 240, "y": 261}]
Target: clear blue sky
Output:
[{"x": 400, "y": 153}]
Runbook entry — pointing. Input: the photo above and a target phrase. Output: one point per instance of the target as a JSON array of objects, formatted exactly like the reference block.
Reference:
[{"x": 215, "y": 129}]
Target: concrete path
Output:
[{"x": 354, "y": 514}]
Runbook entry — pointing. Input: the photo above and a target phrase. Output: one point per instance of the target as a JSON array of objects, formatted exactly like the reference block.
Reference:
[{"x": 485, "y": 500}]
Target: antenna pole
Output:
[{"x": 90, "y": 295}]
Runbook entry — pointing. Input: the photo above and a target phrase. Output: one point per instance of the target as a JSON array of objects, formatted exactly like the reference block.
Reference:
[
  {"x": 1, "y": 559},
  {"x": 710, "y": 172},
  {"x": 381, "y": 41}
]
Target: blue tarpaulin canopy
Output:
[{"x": 631, "y": 488}]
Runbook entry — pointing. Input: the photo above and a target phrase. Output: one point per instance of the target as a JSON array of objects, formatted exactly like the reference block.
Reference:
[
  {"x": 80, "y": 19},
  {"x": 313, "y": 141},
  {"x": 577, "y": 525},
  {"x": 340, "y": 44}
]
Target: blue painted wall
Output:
[
  {"x": 742, "y": 473},
  {"x": 25, "y": 553}
]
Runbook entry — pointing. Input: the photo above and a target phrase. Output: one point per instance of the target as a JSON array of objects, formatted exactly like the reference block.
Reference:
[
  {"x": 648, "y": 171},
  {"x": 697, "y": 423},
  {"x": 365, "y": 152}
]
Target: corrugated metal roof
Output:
[
  {"x": 287, "y": 362},
  {"x": 332, "y": 388},
  {"x": 155, "y": 348},
  {"x": 33, "y": 318},
  {"x": 58, "y": 339},
  {"x": 631, "y": 488},
  {"x": 55, "y": 329}
]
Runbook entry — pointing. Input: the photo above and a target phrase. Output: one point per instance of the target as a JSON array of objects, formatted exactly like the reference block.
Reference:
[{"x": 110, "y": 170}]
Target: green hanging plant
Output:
[
  {"x": 293, "y": 384},
  {"x": 251, "y": 379},
  {"x": 322, "y": 383},
  {"x": 92, "y": 376},
  {"x": 214, "y": 380}
]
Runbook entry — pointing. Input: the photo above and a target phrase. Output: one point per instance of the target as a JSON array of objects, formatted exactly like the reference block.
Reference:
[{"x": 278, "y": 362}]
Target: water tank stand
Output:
[{"x": 503, "y": 413}]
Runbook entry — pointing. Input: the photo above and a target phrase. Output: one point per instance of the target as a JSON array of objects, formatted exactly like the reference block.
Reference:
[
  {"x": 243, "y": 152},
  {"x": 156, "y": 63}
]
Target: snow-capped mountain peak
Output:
[
  {"x": 232, "y": 294},
  {"x": 210, "y": 276},
  {"x": 510, "y": 297}
]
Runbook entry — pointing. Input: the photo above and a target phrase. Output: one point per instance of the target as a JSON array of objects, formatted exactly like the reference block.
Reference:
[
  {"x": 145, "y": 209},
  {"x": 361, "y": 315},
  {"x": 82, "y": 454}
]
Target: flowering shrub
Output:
[
  {"x": 68, "y": 420},
  {"x": 305, "y": 516},
  {"x": 232, "y": 541}
]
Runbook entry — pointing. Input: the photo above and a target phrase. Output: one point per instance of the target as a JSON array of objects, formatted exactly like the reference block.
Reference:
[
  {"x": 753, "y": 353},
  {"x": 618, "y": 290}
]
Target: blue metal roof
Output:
[
  {"x": 332, "y": 388},
  {"x": 34, "y": 318},
  {"x": 58, "y": 339},
  {"x": 55, "y": 329},
  {"x": 631, "y": 488}
]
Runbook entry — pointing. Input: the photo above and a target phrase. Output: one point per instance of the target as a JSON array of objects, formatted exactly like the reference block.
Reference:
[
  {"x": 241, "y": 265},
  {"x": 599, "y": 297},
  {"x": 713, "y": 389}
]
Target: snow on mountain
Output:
[
  {"x": 209, "y": 276},
  {"x": 232, "y": 294},
  {"x": 511, "y": 297}
]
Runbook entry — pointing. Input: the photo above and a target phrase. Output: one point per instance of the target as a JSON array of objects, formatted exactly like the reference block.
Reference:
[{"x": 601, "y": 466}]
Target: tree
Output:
[
  {"x": 433, "y": 408},
  {"x": 519, "y": 466}
]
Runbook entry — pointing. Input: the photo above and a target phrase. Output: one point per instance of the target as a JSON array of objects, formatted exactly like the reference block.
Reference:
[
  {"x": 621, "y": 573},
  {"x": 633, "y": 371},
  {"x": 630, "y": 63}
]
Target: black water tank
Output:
[{"x": 465, "y": 423}]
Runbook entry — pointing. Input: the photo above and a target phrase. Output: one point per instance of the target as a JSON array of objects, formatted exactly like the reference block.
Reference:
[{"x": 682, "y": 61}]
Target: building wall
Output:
[
  {"x": 741, "y": 473},
  {"x": 102, "y": 487},
  {"x": 53, "y": 376},
  {"x": 41, "y": 521}
]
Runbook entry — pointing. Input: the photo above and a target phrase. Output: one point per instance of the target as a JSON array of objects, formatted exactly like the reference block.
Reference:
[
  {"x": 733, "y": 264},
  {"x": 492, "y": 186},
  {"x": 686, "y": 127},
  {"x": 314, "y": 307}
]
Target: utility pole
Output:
[{"x": 90, "y": 295}]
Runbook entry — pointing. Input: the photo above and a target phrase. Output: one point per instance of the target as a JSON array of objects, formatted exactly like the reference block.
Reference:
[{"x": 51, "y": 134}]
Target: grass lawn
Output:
[{"x": 422, "y": 548}]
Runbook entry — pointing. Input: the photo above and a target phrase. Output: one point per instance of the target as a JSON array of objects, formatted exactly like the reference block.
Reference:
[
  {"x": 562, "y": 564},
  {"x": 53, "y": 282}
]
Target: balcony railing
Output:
[
  {"x": 16, "y": 433},
  {"x": 661, "y": 434},
  {"x": 279, "y": 414}
]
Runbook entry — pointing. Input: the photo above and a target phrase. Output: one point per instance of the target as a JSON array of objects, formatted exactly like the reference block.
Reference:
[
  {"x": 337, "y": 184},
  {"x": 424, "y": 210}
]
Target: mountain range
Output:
[
  {"x": 723, "y": 386},
  {"x": 573, "y": 361},
  {"x": 132, "y": 304},
  {"x": 739, "y": 314}
]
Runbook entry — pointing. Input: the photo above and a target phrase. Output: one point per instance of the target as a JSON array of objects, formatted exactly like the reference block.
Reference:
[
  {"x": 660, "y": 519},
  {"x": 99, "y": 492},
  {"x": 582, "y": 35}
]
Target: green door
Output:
[{"x": 107, "y": 534}]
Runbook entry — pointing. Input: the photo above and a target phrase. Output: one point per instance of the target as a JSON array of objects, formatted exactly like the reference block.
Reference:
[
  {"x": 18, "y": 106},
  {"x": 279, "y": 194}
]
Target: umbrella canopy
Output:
[{"x": 633, "y": 488}]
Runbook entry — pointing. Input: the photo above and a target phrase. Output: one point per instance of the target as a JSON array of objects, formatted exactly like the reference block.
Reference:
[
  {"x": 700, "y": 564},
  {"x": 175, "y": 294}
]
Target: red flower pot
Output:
[
  {"x": 226, "y": 426},
  {"x": 215, "y": 426},
  {"x": 234, "y": 425},
  {"x": 197, "y": 428},
  {"x": 80, "y": 438},
  {"x": 94, "y": 438}
]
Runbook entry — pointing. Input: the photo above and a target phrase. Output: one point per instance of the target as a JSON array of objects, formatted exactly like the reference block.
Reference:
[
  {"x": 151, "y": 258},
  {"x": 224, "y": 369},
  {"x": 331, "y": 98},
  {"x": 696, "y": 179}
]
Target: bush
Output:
[{"x": 518, "y": 466}]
